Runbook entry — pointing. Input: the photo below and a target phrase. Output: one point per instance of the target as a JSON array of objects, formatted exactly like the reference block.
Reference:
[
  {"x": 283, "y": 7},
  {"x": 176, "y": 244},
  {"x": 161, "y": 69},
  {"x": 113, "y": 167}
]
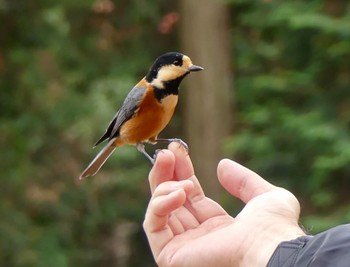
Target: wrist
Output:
[{"x": 261, "y": 244}]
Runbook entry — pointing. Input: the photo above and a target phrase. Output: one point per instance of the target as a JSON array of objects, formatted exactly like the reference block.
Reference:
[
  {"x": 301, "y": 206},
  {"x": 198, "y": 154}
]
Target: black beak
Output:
[{"x": 195, "y": 68}]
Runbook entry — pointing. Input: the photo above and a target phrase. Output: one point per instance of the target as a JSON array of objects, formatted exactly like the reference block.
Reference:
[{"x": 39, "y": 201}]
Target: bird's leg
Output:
[
  {"x": 177, "y": 140},
  {"x": 141, "y": 147}
]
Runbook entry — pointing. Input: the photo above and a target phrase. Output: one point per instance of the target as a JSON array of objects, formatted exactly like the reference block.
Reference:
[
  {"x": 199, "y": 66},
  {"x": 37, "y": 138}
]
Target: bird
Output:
[{"x": 146, "y": 110}]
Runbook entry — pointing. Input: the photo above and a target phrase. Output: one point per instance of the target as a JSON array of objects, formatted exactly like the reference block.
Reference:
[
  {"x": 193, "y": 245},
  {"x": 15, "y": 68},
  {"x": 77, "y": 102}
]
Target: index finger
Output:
[
  {"x": 242, "y": 182},
  {"x": 184, "y": 170},
  {"x": 174, "y": 165},
  {"x": 163, "y": 169}
]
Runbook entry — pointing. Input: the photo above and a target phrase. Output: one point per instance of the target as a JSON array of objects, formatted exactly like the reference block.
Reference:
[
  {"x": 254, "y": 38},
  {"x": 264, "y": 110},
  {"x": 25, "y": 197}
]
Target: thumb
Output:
[{"x": 240, "y": 181}]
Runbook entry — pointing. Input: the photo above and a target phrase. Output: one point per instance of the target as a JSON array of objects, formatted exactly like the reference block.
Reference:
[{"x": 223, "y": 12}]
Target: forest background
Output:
[{"x": 274, "y": 96}]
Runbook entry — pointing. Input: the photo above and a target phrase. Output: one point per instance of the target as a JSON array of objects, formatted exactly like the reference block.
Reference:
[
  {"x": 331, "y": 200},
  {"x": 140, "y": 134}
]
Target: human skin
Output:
[{"x": 185, "y": 228}]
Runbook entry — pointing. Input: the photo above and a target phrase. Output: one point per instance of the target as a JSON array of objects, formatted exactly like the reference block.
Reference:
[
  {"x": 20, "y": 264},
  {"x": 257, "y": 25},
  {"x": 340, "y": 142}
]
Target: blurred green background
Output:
[{"x": 66, "y": 66}]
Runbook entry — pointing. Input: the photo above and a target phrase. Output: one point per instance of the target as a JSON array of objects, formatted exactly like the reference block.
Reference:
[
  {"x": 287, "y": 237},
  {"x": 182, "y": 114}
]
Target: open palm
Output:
[{"x": 185, "y": 228}]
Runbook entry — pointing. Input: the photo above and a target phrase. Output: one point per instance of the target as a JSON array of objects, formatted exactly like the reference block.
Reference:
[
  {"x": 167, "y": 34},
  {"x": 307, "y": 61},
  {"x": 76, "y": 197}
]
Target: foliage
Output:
[
  {"x": 65, "y": 67},
  {"x": 292, "y": 92}
]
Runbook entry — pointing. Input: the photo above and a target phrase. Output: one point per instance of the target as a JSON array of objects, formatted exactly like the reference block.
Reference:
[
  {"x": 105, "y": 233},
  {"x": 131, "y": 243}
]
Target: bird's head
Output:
[{"x": 170, "y": 67}]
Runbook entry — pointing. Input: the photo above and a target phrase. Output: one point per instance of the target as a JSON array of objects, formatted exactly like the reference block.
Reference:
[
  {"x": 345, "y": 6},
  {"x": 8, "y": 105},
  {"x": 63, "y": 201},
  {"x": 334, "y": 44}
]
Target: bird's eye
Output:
[{"x": 177, "y": 63}]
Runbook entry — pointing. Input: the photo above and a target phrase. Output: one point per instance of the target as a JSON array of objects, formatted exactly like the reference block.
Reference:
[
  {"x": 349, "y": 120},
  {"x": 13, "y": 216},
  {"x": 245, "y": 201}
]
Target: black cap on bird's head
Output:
[{"x": 171, "y": 66}]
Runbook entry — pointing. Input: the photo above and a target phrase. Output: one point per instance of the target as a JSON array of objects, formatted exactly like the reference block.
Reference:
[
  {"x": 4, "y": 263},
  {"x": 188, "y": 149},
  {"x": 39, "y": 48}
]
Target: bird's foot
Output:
[
  {"x": 156, "y": 152},
  {"x": 170, "y": 140},
  {"x": 141, "y": 147}
]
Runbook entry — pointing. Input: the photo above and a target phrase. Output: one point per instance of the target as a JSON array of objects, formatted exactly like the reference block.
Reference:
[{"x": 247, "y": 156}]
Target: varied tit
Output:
[{"x": 146, "y": 110}]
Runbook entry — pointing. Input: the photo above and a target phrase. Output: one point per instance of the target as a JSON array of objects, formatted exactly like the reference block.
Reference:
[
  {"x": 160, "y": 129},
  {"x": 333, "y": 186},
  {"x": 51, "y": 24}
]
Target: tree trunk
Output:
[{"x": 205, "y": 37}]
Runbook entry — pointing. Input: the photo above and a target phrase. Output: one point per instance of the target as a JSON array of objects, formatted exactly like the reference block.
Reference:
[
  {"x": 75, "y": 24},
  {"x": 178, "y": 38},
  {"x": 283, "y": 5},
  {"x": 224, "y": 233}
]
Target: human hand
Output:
[{"x": 185, "y": 228}]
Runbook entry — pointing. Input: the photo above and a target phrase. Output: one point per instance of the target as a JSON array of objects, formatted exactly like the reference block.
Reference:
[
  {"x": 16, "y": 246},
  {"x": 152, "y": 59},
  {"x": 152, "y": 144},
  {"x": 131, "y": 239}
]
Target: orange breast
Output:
[{"x": 150, "y": 119}]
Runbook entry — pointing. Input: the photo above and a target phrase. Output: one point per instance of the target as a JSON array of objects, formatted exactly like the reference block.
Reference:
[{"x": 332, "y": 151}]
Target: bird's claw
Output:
[
  {"x": 156, "y": 152},
  {"x": 180, "y": 142},
  {"x": 170, "y": 140}
]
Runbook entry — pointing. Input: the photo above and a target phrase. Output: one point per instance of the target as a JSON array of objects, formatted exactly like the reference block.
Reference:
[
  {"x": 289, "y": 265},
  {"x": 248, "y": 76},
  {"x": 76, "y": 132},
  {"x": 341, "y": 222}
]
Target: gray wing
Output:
[{"x": 130, "y": 105}]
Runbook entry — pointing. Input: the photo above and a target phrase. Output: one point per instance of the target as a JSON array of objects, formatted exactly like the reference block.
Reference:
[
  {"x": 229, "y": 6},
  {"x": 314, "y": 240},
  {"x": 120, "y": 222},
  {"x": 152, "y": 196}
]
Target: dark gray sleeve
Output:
[{"x": 327, "y": 249}]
